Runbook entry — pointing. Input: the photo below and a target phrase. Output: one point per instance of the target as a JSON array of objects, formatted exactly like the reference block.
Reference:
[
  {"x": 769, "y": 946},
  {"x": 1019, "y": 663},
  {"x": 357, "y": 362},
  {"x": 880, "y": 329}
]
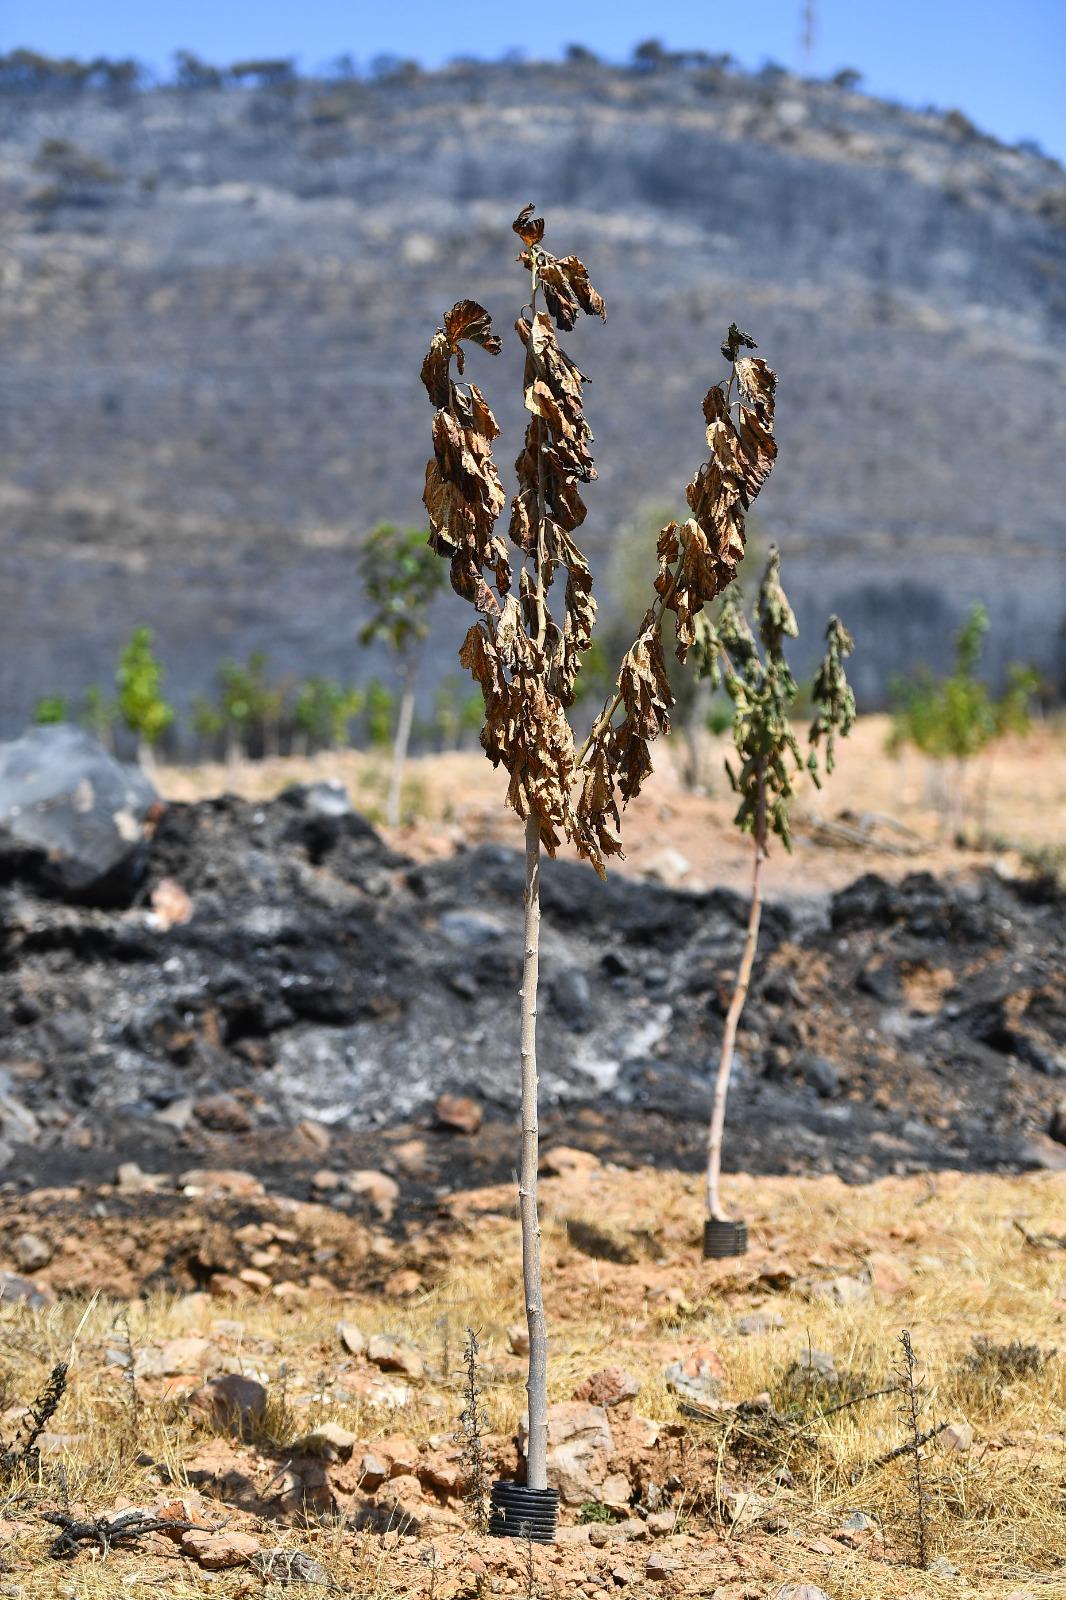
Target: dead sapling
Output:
[
  {"x": 911, "y": 1386},
  {"x": 750, "y": 664},
  {"x": 526, "y": 658},
  {"x": 129, "y": 1378},
  {"x": 470, "y": 1437},
  {"x": 23, "y": 1450}
]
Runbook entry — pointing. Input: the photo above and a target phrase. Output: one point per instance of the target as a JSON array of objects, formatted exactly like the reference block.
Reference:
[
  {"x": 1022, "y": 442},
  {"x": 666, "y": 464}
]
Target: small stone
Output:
[
  {"x": 381, "y": 1190},
  {"x": 373, "y": 1472},
  {"x": 616, "y": 1491},
  {"x": 314, "y": 1133},
  {"x": 185, "y": 1354},
  {"x": 1057, "y": 1126},
  {"x": 668, "y": 866},
  {"x": 255, "y": 1279},
  {"x": 571, "y": 998},
  {"x": 941, "y": 1567},
  {"x": 888, "y": 1276},
  {"x": 403, "y": 1283},
  {"x": 171, "y": 906},
  {"x": 222, "y": 1113},
  {"x": 395, "y": 1355},
  {"x": 800, "y": 1591},
  {"x": 351, "y": 1337},
  {"x": 658, "y": 1567},
  {"x": 21, "y": 1291},
  {"x": 329, "y": 1441},
  {"x": 129, "y": 1179},
  {"x": 290, "y": 1566},
  {"x": 402, "y": 1455},
  {"x": 699, "y": 1376},
  {"x": 518, "y": 1339},
  {"x": 459, "y": 1113},
  {"x": 956, "y": 1437},
  {"x": 177, "y": 1115},
  {"x": 221, "y": 1180},
  {"x": 812, "y": 1363},
  {"x": 562, "y": 1160},
  {"x": 857, "y": 1522},
  {"x": 822, "y": 1076},
  {"x": 844, "y": 1290},
  {"x": 760, "y": 1322},
  {"x": 610, "y": 1387},
  {"x": 31, "y": 1252},
  {"x": 325, "y": 1181},
  {"x": 217, "y": 1551},
  {"x": 231, "y": 1400},
  {"x": 224, "y": 1286}
]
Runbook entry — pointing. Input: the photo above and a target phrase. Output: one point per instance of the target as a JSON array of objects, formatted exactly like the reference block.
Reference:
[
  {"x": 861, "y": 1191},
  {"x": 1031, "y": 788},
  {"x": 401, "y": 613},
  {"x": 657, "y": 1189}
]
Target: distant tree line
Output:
[
  {"x": 253, "y": 714},
  {"x": 32, "y": 71}
]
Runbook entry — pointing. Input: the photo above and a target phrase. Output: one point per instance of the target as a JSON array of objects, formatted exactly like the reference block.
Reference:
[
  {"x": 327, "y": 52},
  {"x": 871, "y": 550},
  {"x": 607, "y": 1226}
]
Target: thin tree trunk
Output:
[
  {"x": 537, "y": 1384},
  {"x": 399, "y": 748},
  {"x": 732, "y": 1021},
  {"x": 146, "y": 758}
]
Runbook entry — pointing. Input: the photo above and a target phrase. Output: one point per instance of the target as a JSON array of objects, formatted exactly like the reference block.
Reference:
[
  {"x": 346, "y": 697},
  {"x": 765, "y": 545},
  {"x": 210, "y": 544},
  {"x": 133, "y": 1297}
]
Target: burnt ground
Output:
[{"x": 319, "y": 977}]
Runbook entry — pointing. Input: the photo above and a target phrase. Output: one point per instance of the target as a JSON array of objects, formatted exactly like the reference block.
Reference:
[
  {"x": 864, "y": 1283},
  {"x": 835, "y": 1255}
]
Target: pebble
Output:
[
  {"x": 459, "y": 1113},
  {"x": 351, "y": 1337},
  {"x": 31, "y": 1252},
  {"x": 395, "y": 1355}
]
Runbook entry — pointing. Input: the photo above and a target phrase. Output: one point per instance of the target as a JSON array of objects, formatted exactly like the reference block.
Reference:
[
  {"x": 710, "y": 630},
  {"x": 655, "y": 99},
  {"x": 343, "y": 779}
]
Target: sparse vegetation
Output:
[
  {"x": 401, "y": 579},
  {"x": 955, "y": 719},
  {"x": 753, "y": 669},
  {"x": 141, "y": 705}
]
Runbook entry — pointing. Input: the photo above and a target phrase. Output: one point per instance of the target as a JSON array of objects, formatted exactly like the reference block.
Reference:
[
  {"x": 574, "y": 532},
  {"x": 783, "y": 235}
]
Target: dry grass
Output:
[
  {"x": 460, "y": 796},
  {"x": 947, "y": 1263}
]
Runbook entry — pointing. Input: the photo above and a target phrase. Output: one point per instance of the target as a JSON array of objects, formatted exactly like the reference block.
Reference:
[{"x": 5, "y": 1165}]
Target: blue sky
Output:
[{"x": 1005, "y": 66}]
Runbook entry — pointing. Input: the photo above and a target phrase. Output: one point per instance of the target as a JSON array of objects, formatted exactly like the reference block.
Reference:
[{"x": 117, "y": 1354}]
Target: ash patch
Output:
[{"x": 317, "y": 974}]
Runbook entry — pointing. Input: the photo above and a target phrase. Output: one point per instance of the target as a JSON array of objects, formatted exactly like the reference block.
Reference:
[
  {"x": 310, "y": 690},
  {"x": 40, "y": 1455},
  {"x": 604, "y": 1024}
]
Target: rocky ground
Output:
[
  {"x": 286, "y": 1379},
  {"x": 283, "y": 981}
]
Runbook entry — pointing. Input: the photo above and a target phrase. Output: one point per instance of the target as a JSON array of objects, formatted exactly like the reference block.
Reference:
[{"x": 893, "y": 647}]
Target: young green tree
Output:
[
  {"x": 323, "y": 711},
  {"x": 953, "y": 720},
  {"x": 141, "y": 705},
  {"x": 99, "y": 715},
  {"x": 50, "y": 709},
  {"x": 752, "y": 668},
  {"x": 401, "y": 579},
  {"x": 526, "y": 657}
]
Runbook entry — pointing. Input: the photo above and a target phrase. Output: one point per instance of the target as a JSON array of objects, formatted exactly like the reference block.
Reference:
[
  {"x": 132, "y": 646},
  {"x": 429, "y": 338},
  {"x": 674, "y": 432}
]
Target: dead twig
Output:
[
  {"x": 1040, "y": 1241},
  {"x": 110, "y": 1532}
]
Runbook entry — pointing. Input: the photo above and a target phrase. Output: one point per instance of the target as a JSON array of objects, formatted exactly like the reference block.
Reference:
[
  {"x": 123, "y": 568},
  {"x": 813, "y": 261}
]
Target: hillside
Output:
[{"x": 214, "y": 304}]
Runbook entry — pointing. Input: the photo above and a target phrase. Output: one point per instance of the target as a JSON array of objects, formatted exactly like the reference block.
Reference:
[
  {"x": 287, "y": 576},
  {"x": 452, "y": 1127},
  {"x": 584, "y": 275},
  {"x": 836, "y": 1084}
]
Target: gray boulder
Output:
[{"x": 73, "y": 820}]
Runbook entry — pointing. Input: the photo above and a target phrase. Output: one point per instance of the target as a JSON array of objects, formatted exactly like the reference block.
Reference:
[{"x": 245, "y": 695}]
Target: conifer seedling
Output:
[
  {"x": 752, "y": 668},
  {"x": 526, "y": 657}
]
